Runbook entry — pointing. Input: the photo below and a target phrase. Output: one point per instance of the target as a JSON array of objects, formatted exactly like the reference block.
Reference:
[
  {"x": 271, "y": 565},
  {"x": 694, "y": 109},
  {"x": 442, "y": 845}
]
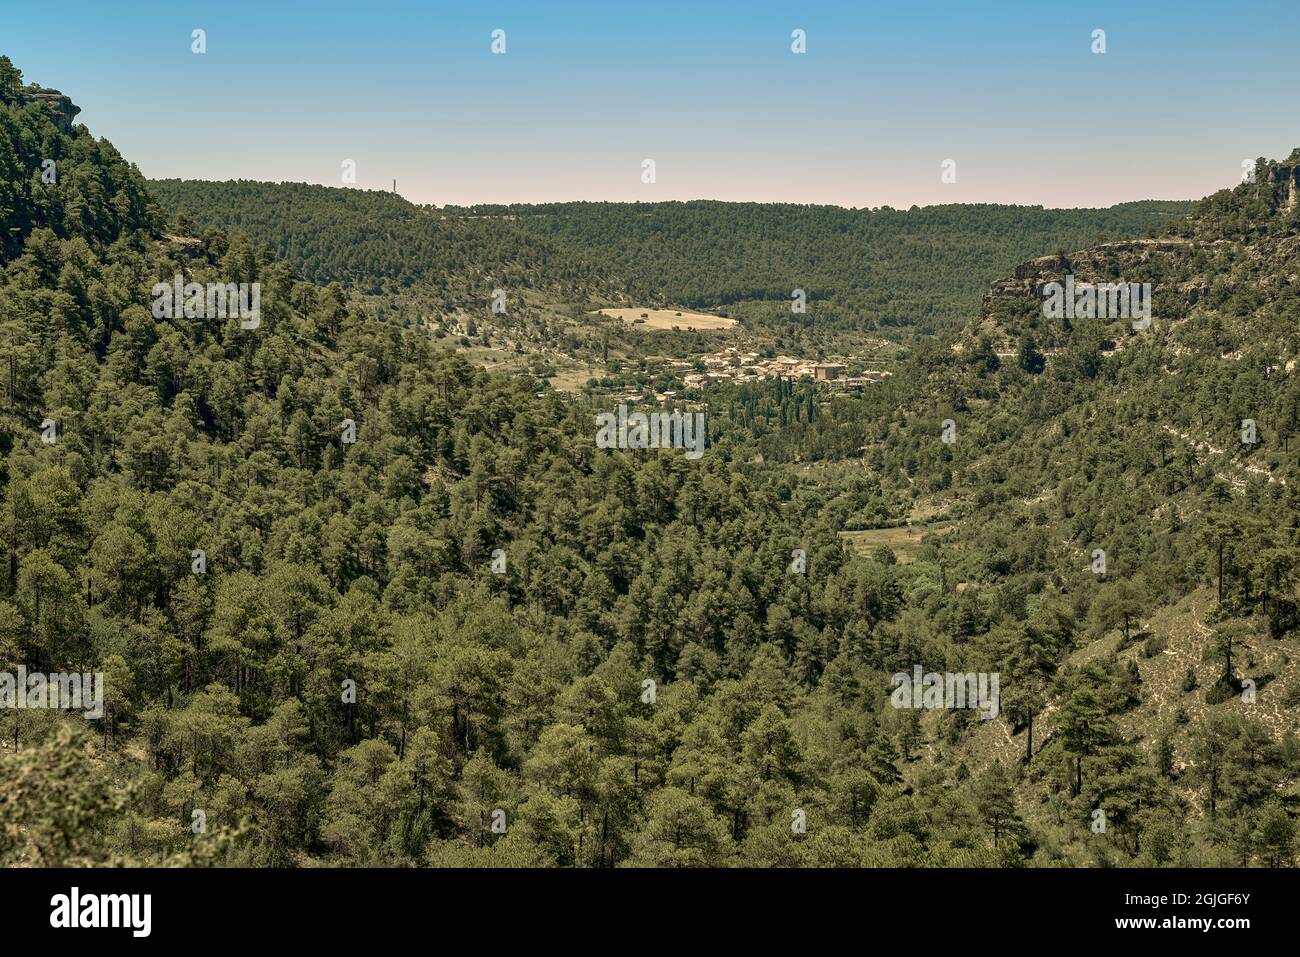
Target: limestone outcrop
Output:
[{"x": 64, "y": 110}]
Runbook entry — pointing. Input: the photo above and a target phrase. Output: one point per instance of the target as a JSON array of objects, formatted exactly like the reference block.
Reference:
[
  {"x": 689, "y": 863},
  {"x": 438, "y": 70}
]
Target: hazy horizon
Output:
[{"x": 688, "y": 199}]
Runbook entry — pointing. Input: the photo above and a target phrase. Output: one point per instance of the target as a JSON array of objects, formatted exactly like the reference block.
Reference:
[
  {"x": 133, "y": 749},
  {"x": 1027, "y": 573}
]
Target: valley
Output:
[{"x": 375, "y": 575}]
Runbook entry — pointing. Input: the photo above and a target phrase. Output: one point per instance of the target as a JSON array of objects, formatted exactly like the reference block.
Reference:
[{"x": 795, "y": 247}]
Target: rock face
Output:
[
  {"x": 1278, "y": 184},
  {"x": 1088, "y": 265},
  {"x": 1286, "y": 179},
  {"x": 65, "y": 111}
]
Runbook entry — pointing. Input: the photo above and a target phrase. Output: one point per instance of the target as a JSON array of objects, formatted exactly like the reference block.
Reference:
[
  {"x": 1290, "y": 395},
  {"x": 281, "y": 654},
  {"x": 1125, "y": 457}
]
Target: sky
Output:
[{"x": 712, "y": 92}]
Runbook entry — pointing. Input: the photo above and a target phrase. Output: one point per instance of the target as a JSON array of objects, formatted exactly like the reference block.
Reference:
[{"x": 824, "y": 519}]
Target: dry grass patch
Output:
[
  {"x": 905, "y": 541},
  {"x": 669, "y": 318}
]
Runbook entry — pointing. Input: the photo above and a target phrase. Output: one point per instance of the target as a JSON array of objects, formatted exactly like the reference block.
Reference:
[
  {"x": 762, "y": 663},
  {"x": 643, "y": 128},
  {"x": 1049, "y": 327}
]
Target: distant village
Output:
[{"x": 732, "y": 365}]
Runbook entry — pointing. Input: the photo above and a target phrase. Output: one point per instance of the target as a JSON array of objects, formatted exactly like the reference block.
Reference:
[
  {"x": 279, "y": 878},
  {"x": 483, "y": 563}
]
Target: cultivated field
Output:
[{"x": 668, "y": 318}]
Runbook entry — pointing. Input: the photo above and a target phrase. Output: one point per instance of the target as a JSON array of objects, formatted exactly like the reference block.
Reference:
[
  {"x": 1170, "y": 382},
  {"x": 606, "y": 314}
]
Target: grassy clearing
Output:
[{"x": 905, "y": 541}]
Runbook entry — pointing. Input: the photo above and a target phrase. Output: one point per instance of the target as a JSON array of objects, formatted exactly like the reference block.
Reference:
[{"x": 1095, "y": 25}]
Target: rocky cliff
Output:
[{"x": 64, "y": 110}]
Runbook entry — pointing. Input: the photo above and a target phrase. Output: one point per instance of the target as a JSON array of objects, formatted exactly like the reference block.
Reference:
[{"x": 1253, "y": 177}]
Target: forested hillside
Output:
[
  {"x": 358, "y": 602},
  {"x": 1118, "y": 509},
  {"x": 918, "y": 270},
  {"x": 376, "y": 241},
  {"x": 907, "y": 271}
]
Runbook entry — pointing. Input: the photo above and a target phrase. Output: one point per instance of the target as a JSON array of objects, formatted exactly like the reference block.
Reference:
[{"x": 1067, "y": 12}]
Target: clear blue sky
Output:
[{"x": 711, "y": 91}]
